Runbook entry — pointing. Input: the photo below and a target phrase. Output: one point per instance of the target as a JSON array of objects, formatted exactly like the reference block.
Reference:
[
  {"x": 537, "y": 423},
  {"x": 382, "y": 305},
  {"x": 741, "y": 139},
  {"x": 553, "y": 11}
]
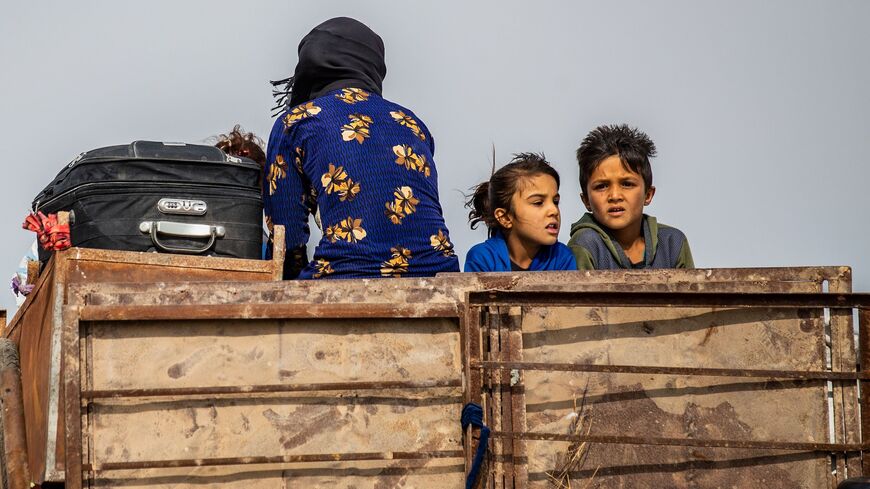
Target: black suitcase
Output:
[{"x": 164, "y": 197}]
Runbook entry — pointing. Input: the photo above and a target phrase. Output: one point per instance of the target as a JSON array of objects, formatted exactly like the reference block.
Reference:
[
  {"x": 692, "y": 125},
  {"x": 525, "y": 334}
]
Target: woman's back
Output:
[{"x": 366, "y": 164}]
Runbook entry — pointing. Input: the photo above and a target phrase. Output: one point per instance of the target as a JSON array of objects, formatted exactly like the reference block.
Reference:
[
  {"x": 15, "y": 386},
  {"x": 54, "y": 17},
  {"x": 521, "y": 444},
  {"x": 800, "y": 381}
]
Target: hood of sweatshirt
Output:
[{"x": 650, "y": 232}]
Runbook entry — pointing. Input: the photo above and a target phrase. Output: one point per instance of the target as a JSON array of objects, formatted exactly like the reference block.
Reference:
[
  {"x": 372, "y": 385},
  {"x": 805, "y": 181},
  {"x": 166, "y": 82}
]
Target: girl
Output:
[
  {"x": 520, "y": 206},
  {"x": 244, "y": 144}
]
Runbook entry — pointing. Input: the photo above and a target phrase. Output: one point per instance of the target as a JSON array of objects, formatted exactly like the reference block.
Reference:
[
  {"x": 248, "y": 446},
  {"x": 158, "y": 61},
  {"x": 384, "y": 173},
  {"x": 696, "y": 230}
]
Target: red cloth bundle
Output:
[{"x": 51, "y": 234}]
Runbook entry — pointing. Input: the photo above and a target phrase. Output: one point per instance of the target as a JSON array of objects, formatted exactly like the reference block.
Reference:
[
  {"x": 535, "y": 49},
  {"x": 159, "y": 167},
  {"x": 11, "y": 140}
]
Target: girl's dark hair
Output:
[
  {"x": 632, "y": 146},
  {"x": 244, "y": 144},
  {"x": 501, "y": 187}
]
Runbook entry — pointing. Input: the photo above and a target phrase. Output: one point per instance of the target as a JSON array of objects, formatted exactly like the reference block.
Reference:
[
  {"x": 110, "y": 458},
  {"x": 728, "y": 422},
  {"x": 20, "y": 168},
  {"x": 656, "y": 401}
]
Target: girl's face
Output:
[{"x": 534, "y": 218}]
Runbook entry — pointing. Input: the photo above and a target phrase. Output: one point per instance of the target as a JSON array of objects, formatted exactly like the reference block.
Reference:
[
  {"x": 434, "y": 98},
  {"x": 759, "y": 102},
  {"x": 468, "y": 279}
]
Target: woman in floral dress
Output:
[{"x": 364, "y": 162}]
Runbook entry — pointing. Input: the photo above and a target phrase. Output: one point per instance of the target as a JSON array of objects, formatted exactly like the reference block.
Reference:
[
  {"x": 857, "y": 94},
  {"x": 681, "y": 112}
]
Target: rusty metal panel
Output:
[
  {"x": 36, "y": 328},
  {"x": 782, "y": 279},
  {"x": 447, "y": 287},
  {"x": 845, "y": 393},
  {"x": 864, "y": 359},
  {"x": 362, "y": 291},
  {"x": 16, "y": 472},
  {"x": 678, "y": 406},
  {"x": 71, "y": 411},
  {"x": 187, "y": 353},
  {"x": 445, "y": 291},
  {"x": 35, "y": 342},
  {"x": 415, "y": 430}
]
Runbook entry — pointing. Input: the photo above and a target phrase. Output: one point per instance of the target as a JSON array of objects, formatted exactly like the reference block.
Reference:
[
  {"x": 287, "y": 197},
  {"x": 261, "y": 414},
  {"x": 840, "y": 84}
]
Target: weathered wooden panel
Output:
[
  {"x": 671, "y": 406},
  {"x": 260, "y": 426},
  {"x": 451, "y": 287},
  {"x": 36, "y": 326},
  {"x": 356, "y": 292},
  {"x": 194, "y": 355},
  {"x": 250, "y": 352},
  {"x": 35, "y": 344},
  {"x": 668, "y": 406}
]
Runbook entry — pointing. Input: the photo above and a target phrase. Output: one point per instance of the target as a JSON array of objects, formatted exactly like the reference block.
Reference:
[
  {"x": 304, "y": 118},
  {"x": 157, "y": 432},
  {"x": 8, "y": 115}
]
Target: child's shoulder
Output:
[
  {"x": 484, "y": 247},
  {"x": 585, "y": 237},
  {"x": 671, "y": 247},
  {"x": 666, "y": 232},
  {"x": 560, "y": 248},
  {"x": 586, "y": 233},
  {"x": 560, "y": 257},
  {"x": 487, "y": 256}
]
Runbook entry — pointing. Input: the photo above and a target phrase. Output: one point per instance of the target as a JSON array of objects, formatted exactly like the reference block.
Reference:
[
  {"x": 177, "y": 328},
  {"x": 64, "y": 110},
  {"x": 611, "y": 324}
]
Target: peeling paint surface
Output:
[
  {"x": 662, "y": 406},
  {"x": 192, "y": 354},
  {"x": 254, "y": 349}
]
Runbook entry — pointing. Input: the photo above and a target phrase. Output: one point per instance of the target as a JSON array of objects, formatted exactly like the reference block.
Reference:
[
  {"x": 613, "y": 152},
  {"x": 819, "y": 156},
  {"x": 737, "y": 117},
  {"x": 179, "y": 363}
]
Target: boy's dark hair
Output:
[
  {"x": 632, "y": 146},
  {"x": 501, "y": 187},
  {"x": 238, "y": 143}
]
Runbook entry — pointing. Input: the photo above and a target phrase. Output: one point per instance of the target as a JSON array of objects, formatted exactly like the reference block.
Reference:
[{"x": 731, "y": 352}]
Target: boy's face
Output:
[{"x": 616, "y": 195}]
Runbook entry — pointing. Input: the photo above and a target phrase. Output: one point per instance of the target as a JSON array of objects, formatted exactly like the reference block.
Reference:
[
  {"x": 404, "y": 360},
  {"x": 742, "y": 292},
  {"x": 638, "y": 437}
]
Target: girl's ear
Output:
[
  {"x": 503, "y": 218},
  {"x": 649, "y": 195},
  {"x": 585, "y": 199}
]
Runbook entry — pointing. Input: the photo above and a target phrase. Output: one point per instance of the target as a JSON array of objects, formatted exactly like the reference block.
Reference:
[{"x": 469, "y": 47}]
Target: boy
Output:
[{"x": 615, "y": 185}]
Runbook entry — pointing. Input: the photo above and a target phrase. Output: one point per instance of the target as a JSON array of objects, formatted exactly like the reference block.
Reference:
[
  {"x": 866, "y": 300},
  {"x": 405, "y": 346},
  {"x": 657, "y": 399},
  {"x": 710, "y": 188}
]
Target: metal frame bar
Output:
[
  {"x": 279, "y": 459},
  {"x": 689, "y": 371},
  {"x": 687, "y": 442},
  {"x": 864, "y": 400},
  {"x": 72, "y": 404},
  {"x": 508, "y": 414},
  {"x": 670, "y": 299},
  {"x": 265, "y": 389},
  {"x": 14, "y": 442},
  {"x": 268, "y": 311},
  {"x": 468, "y": 327}
]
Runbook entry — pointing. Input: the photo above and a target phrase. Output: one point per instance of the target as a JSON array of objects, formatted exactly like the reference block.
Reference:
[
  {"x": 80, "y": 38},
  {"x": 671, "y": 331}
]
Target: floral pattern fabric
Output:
[{"x": 366, "y": 165}]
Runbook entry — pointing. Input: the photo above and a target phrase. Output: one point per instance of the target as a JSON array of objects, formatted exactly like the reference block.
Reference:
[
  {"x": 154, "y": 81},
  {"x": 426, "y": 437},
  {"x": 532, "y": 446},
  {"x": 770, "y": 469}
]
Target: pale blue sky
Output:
[{"x": 760, "y": 110}]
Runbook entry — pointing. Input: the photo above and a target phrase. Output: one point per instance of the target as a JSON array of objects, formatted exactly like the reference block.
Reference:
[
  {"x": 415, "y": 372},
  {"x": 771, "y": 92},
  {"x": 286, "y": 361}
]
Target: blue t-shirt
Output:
[
  {"x": 366, "y": 164},
  {"x": 492, "y": 256}
]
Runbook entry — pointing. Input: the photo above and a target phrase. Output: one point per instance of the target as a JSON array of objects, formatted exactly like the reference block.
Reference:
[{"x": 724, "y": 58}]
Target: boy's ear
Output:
[
  {"x": 649, "y": 195},
  {"x": 585, "y": 200},
  {"x": 501, "y": 215}
]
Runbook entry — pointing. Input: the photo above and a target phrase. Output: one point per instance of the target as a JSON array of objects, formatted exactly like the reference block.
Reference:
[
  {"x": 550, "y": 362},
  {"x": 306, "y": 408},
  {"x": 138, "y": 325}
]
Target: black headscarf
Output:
[{"x": 339, "y": 53}]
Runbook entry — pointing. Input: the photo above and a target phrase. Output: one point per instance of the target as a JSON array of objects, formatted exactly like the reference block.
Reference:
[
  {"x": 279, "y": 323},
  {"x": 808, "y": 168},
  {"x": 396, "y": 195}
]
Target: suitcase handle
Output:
[{"x": 184, "y": 230}]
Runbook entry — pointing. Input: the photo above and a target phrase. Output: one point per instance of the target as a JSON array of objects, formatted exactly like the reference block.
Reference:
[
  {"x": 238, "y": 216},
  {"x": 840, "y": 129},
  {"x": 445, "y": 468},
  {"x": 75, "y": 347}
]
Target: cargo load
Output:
[{"x": 163, "y": 197}]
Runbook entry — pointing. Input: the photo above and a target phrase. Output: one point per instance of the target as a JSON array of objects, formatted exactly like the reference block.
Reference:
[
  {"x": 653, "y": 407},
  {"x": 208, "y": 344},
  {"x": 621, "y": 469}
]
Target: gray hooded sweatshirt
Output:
[{"x": 595, "y": 249}]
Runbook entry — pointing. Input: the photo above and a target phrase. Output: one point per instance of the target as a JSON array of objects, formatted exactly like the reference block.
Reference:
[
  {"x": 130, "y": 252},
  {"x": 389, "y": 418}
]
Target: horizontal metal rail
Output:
[
  {"x": 668, "y": 299},
  {"x": 267, "y": 389},
  {"x": 267, "y": 311},
  {"x": 690, "y": 371},
  {"x": 687, "y": 442},
  {"x": 278, "y": 459}
]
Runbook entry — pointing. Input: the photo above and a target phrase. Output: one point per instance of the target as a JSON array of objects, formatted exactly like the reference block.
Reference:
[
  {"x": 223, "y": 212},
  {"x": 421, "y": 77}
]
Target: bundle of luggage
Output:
[{"x": 161, "y": 197}]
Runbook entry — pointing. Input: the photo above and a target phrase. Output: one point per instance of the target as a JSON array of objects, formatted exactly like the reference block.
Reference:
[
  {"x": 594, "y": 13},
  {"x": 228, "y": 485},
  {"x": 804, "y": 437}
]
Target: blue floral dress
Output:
[{"x": 366, "y": 164}]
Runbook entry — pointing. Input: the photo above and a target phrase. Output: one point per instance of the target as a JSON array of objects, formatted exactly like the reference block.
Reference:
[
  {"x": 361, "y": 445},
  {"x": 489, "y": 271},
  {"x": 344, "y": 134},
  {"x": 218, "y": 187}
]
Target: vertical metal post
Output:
[
  {"x": 14, "y": 438},
  {"x": 470, "y": 332},
  {"x": 864, "y": 362},
  {"x": 72, "y": 400}
]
